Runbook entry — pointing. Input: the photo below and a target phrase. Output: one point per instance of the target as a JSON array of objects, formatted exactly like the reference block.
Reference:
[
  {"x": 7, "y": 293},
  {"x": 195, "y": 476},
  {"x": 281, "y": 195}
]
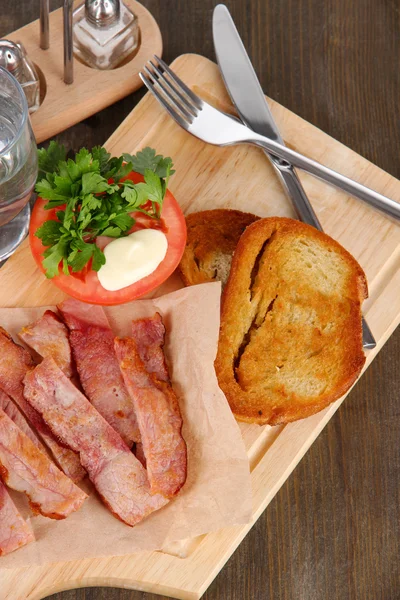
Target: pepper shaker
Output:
[
  {"x": 105, "y": 33},
  {"x": 13, "y": 57}
]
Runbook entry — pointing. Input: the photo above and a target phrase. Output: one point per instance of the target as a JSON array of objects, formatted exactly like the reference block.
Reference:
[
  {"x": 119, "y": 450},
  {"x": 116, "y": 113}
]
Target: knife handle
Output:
[{"x": 295, "y": 191}]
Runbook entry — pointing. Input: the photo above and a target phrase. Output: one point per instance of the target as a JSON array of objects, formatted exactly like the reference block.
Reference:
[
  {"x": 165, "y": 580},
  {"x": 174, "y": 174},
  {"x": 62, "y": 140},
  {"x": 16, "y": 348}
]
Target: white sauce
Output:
[{"x": 131, "y": 258}]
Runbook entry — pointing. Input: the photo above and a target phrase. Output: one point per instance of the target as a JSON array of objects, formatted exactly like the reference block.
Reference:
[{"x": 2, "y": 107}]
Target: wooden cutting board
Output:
[{"x": 237, "y": 177}]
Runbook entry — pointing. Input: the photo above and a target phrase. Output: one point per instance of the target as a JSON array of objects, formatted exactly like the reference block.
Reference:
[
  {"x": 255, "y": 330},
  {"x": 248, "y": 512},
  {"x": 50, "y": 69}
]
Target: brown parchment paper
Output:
[{"x": 218, "y": 490}]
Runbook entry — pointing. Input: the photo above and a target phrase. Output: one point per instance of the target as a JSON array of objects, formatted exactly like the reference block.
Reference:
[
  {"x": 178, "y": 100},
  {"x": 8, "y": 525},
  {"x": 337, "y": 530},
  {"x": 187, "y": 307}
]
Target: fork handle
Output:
[{"x": 388, "y": 206}]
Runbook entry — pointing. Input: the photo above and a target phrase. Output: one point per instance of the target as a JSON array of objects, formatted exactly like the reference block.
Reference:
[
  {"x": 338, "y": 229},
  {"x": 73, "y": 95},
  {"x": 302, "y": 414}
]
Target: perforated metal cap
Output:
[
  {"x": 11, "y": 57},
  {"x": 102, "y": 13}
]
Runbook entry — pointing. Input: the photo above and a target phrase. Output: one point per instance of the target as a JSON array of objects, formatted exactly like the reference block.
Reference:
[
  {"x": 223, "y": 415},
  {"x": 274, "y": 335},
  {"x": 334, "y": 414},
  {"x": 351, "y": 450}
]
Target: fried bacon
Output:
[
  {"x": 149, "y": 334},
  {"x": 118, "y": 476},
  {"x": 14, "y": 531},
  {"x": 15, "y": 362},
  {"x": 48, "y": 336},
  {"x": 16, "y": 415},
  {"x": 156, "y": 406},
  {"x": 24, "y": 468},
  {"x": 92, "y": 343}
]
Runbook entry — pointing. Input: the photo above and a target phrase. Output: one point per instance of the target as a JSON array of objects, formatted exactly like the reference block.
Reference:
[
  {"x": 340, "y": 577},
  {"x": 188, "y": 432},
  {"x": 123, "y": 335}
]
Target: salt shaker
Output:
[
  {"x": 105, "y": 33},
  {"x": 13, "y": 57}
]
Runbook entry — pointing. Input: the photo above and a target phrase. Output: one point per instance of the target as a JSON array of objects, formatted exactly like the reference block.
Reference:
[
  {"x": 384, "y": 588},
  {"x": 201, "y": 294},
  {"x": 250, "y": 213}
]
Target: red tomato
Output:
[{"x": 85, "y": 286}]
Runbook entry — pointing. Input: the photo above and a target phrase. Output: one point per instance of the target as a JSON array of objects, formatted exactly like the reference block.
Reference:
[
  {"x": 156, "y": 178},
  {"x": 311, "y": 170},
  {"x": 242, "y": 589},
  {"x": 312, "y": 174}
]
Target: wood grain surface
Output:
[{"x": 332, "y": 531}]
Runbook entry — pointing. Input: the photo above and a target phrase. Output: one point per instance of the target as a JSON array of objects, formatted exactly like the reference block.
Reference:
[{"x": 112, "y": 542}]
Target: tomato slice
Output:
[{"x": 85, "y": 286}]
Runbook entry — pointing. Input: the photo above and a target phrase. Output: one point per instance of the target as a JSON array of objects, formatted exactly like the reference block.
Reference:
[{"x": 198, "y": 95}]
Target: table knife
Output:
[{"x": 247, "y": 95}]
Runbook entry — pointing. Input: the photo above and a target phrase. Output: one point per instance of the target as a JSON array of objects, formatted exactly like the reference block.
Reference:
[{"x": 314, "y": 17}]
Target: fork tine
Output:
[
  {"x": 173, "y": 88},
  {"x": 198, "y": 101},
  {"x": 170, "y": 97},
  {"x": 163, "y": 102}
]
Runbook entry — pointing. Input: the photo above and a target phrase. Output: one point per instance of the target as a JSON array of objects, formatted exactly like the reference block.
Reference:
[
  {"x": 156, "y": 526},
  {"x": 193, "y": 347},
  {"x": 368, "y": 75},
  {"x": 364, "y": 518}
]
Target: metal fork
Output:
[{"x": 215, "y": 127}]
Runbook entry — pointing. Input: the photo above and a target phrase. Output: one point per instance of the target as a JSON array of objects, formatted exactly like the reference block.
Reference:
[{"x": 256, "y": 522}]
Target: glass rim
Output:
[{"x": 24, "y": 103}]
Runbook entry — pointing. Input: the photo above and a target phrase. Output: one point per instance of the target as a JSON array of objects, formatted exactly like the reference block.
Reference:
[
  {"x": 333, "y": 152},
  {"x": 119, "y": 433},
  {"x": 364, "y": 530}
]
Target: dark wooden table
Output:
[{"x": 332, "y": 532}]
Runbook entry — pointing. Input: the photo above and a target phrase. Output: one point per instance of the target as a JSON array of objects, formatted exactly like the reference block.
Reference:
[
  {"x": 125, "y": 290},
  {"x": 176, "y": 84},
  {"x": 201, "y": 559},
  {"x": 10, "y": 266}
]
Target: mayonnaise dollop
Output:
[{"x": 131, "y": 258}]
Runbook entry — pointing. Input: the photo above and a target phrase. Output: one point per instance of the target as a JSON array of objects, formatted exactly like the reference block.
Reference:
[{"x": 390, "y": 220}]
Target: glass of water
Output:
[{"x": 18, "y": 164}]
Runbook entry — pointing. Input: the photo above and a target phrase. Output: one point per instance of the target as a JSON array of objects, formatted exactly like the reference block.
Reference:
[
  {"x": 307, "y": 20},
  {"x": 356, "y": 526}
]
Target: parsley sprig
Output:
[{"x": 93, "y": 201}]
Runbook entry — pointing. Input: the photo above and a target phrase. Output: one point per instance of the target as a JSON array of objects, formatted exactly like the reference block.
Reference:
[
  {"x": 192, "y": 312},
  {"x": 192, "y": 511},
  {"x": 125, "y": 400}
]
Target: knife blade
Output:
[
  {"x": 247, "y": 95},
  {"x": 239, "y": 76}
]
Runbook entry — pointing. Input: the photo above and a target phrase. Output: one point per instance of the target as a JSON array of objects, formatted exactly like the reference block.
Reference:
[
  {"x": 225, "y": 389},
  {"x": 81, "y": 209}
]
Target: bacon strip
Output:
[
  {"x": 118, "y": 476},
  {"x": 14, "y": 531},
  {"x": 92, "y": 343},
  {"x": 26, "y": 469},
  {"x": 15, "y": 362},
  {"x": 48, "y": 336},
  {"x": 16, "y": 415},
  {"x": 149, "y": 334},
  {"x": 159, "y": 419}
]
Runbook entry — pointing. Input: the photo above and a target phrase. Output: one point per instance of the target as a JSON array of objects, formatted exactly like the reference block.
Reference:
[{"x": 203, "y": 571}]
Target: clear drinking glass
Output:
[{"x": 18, "y": 164}]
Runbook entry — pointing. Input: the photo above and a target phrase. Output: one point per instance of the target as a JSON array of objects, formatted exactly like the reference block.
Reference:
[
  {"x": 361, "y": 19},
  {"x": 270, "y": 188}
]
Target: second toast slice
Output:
[{"x": 291, "y": 335}]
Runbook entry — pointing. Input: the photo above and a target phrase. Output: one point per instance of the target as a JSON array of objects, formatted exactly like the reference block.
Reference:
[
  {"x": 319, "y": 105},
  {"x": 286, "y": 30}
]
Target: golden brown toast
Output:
[
  {"x": 291, "y": 335},
  {"x": 212, "y": 236}
]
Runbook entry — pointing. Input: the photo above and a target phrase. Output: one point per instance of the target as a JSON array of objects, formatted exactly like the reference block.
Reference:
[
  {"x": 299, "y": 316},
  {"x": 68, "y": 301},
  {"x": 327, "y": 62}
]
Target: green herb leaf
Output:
[
  {"x": 98, "y": 258},
  {"x": 91, "y": 202},
  {"x": 142, "y": 190},
  {"x": 164, "y": 182},
  {"x": 49, "y": 232},
  {"x": 54, "y": 255},
  {"x": 63, "y": 186},
  {"x": 123, "y": 221},
  {"x": 147, "y": 159},
  {"x": 81, "y": 258},
  {"x": 73, "y": 170},
  {"x": 93, "y": 183},
  {"x": 48, "y": 192},
  {"x": 84, "y": 161},
  {"x": 114, "y": 232},
  {"x": 49, "y": 158},
  {"x": 102, "y": 156},
  {"x": 153, "y": 182},
  {"x": 84, "y": 220},
  {"x": 130, "y": 194}
]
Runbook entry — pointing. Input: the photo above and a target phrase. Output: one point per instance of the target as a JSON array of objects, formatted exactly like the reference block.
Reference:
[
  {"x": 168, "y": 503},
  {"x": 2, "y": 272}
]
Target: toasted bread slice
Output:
[
  {"x": 291, "y": 335},
  {"x": 212, "y": 236}
]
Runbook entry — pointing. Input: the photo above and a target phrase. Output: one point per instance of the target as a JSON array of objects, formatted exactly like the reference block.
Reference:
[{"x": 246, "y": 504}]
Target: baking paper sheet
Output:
[{"x": 217, "y": 493}]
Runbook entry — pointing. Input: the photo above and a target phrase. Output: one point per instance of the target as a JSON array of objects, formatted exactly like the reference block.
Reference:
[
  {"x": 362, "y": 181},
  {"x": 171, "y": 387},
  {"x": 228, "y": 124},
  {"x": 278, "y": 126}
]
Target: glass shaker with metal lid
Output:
[
  {"x": 105, "y": 33},
  {"x": 14, "y": 59}
]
